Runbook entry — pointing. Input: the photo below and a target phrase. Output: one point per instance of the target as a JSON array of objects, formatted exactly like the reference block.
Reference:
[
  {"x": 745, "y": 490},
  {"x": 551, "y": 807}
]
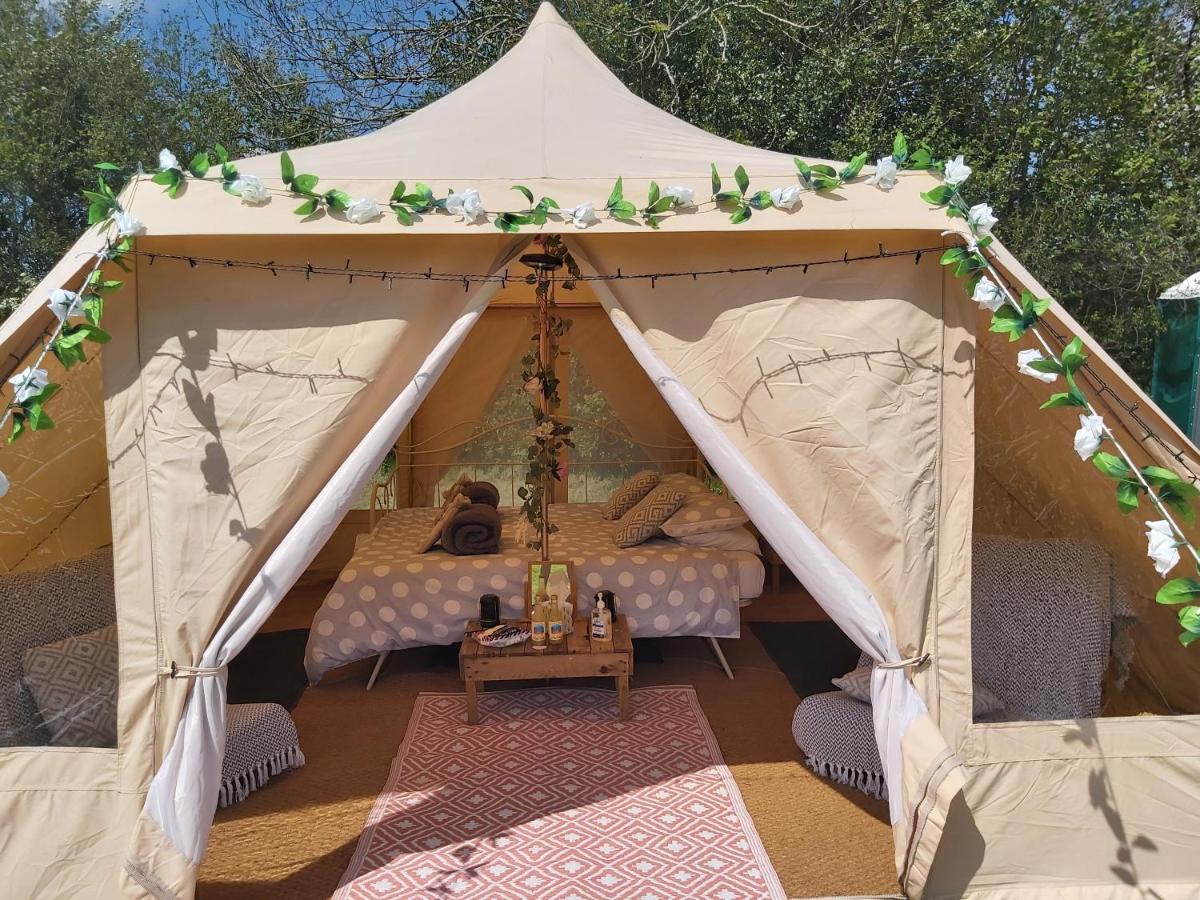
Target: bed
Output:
[{"x": 389, "y": 597}]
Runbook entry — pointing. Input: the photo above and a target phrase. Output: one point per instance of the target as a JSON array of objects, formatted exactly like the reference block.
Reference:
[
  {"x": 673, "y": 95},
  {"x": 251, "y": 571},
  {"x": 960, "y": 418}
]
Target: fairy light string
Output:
[{"x": 1015, "y": 316}]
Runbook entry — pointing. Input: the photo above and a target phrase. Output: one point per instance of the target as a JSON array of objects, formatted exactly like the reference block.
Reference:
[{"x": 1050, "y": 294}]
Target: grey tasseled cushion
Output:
[
  {"x": 838, "y": 739},
  {"x": 260, "y": 741}
]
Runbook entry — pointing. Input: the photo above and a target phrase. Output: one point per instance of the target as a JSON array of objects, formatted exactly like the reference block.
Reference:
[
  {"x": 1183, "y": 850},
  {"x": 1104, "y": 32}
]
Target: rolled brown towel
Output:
[
  {"x": 473, "y": 530},
  {"x": 481, "y": 492}
]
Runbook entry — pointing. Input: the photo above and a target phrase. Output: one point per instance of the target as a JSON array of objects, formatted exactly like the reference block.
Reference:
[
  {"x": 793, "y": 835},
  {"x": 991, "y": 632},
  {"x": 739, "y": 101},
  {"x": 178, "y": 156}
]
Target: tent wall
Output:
[
  {"x": 55, "y": 509},
  {"x": 1095, "y": 807}
]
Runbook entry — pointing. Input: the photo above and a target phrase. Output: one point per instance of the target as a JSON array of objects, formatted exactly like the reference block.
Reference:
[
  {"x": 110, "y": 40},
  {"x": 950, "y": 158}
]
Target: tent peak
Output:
[{"x": 547, "y": 15}]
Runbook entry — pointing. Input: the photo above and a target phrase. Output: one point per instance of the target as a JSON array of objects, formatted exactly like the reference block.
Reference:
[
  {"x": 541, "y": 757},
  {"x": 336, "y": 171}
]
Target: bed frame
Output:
[{"x": 385, "y": 492}]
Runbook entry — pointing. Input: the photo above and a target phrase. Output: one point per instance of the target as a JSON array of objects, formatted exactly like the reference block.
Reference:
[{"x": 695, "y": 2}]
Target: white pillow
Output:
[{"x": 732, "y": 540}]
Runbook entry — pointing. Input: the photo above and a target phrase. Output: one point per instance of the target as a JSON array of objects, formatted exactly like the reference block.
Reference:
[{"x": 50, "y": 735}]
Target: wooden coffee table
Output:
[{"x": 578, "y": 656}]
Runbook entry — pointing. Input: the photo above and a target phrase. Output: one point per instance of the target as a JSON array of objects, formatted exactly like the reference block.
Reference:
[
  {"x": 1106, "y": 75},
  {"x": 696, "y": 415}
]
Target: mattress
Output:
[{"x": 389, "y": 597}]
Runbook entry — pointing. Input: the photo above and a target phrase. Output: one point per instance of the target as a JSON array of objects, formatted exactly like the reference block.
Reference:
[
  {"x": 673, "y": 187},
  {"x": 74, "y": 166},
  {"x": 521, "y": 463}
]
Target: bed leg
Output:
[
  {"x": 720, "y": 655},
  {"x": 379, "y": 668}
]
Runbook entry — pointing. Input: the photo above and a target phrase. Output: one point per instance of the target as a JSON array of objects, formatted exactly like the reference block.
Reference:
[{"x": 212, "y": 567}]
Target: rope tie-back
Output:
[
  {"x": 912, "y": 662},
  {"x": 174, "y": 670}
]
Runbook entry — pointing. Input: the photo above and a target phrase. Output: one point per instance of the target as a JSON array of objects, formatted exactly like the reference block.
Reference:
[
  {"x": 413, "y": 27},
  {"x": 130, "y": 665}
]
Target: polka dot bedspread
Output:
[{"x": 389, "y": 597}]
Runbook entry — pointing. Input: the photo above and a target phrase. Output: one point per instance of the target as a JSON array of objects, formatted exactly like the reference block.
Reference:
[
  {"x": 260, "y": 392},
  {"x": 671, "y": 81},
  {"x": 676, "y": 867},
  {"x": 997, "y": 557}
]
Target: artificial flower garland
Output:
[
  {"x": 1165, "y": 489},
  {"x": 539, "y": 380}
]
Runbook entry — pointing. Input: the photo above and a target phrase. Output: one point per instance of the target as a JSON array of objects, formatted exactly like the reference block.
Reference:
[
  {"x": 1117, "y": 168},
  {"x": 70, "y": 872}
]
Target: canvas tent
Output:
[{"x": 235, "y": 415}]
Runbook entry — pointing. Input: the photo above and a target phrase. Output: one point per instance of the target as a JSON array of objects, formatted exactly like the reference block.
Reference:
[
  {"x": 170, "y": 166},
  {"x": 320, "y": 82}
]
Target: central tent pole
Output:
[{"x": 544, "y": 266}]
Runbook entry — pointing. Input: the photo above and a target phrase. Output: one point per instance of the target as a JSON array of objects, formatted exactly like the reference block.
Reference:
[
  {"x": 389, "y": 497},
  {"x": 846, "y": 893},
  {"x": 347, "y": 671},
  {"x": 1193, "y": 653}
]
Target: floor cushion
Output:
[
  {"x": 837, "y": 734},
  {"x": 260, "y": 741}
]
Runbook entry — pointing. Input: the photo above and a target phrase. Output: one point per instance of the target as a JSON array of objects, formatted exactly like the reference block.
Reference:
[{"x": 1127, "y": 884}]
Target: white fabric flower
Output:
[
  {"x": 65, "y": 304},
  {"x": 988, "y": 294},
  {"x": 1161, "y": 546},
  {"x": 1089, "y": 436},
  {"x": 786, "y": 198},
  {"x": 957, "y": 171},
  {"x": 4, "y": 484},
  {"x": 28, "y": 383},
  {"x": 544, "y": 431},
  {"x": 364, "y": 209},
  {"x": 467, "y": 205},
  {"x": 1025, "y": 357},
  {"x": 167, "y": 160},
  {"x": 685, "y": 197},
  {"x": 582, "y": 216},
  {"x": 251, "y": 189},
  {"x": 980, "y": 218},
  {"x": 127, "y": 225},
  {"x": 886, "y": 172}
]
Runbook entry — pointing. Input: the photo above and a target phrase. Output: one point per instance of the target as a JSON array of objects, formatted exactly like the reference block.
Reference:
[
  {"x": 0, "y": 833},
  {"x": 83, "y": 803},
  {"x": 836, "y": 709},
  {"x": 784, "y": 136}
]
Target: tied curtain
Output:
[
  {"x": 273, "y": 403},
  {"x": 817, "y": 398}
]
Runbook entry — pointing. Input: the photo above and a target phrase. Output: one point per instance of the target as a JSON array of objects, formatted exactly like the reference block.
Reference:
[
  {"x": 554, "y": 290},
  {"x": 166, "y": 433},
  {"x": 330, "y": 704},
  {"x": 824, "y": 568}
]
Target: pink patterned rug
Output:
[{"x": 552, "y": 797}]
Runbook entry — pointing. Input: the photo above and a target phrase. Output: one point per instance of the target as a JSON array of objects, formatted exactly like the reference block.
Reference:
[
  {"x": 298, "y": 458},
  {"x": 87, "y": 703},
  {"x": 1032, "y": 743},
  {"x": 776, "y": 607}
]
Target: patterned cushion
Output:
[
  {"x": 631, "y": 491},
  {"x": 74, "y": 683},
  {"x": 645, "y": 520},
  {"x": 856, "y": 683},
  {"x": 705, "y": 512},
  {"x": 42, "y": 606},
  {"x": 689, "y": 484},
  {"x": 260, "y": 741}
]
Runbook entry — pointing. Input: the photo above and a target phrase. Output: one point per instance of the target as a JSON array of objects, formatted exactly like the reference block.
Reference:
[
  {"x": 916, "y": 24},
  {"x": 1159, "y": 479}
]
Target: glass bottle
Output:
[
  {"x": 539, "y": 623},
  {"x": 554, "y": 621}
]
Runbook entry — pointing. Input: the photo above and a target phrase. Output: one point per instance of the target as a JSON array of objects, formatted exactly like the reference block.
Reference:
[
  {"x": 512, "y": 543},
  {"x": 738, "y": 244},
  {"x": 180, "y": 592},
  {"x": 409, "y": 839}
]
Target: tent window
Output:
[
  {"x": 1063, "y": 624},
  {"x": 497, "y": 454},
  {"x": 58, "y": 646},
  {"x": 607, "y": 450},
  {"x": 604, "y": 455}
]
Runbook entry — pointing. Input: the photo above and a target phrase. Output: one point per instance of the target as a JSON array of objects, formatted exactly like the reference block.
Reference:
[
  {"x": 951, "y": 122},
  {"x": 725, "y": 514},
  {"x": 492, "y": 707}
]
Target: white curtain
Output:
[
  {"x": 182, "y": 798},
  {"x": 842, "y": 594}
]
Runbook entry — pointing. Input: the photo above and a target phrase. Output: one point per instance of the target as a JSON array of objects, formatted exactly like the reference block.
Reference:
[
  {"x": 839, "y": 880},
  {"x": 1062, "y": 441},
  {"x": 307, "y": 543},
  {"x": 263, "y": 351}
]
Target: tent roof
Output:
[
  {"x": 1188, "y": 289},
  {"x": 548, "y": 115}
]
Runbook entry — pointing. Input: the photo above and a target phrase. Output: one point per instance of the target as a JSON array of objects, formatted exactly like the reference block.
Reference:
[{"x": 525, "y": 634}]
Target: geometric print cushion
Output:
[
  {"x": 74, "y": 684},
  {"x": 645, "y": 520},
  {"x": 705, "y": 513},
  {"x": 856, "y": 683},
  {"x": 632, "y": 490},
  {"x": 40, "y": 606}
]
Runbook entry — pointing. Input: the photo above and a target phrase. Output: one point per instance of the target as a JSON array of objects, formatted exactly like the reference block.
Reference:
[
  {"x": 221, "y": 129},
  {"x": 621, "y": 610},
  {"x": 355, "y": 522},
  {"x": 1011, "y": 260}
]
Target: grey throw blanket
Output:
[{"x": 473, "y": 530}]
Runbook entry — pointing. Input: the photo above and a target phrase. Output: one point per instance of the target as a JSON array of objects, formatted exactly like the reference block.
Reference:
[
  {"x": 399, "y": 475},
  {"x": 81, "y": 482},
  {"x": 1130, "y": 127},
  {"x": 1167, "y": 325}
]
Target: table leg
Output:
[
  {"x": 623, "y": 696},
  {"x": 472, "y": 701}
]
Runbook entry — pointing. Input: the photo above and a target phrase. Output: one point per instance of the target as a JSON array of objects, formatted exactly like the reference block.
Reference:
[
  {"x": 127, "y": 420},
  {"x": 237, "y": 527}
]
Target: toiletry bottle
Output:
[
  {"x": 600, "y": 622},
  {"x": 554, "y": 621}
]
